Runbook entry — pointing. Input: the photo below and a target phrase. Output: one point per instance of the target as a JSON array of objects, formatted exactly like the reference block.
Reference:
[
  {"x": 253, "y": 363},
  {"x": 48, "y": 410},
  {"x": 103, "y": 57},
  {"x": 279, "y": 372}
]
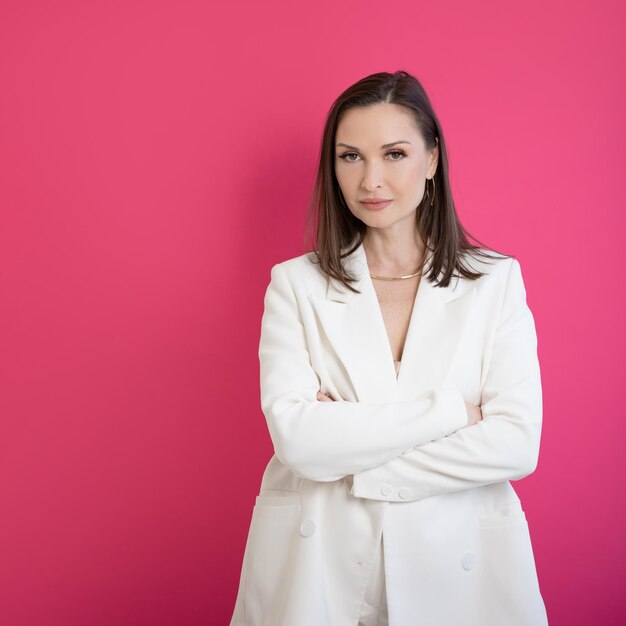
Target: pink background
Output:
[{"x": 157, "y": 159}]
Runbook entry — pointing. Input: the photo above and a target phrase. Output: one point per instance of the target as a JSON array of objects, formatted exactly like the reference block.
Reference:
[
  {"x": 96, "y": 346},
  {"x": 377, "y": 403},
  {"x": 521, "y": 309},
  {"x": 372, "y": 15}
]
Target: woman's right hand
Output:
[{"x": 474, "y": 414}]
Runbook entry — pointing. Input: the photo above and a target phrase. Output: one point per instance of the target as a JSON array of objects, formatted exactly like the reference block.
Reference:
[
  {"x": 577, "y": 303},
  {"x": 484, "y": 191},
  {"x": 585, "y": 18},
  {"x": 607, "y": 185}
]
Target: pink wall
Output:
[{"x": 156, "y": 160}]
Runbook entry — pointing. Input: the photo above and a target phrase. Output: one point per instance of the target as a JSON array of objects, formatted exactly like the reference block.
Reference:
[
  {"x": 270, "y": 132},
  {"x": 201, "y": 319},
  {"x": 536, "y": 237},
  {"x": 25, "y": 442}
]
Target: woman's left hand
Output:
[{"x": 324, "y": 397}]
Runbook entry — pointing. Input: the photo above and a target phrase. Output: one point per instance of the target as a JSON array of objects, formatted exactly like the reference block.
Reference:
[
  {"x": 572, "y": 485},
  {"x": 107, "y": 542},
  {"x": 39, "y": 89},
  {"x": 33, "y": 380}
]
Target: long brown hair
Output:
[{"x": 331, "y": 225}]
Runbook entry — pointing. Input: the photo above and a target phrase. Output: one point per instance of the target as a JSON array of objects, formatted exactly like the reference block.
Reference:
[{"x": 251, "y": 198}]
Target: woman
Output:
[{"x": 402, "y": 392}]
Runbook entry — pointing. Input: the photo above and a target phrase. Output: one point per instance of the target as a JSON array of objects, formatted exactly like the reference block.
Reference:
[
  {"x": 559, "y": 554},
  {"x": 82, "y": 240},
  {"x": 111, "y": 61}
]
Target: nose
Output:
[{"x": 372, "y": 176}]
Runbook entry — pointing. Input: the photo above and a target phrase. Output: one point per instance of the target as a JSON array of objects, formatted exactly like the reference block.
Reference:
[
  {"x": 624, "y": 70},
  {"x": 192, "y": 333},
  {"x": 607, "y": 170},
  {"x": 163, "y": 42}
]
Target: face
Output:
[{"x": 367, "y": 166}]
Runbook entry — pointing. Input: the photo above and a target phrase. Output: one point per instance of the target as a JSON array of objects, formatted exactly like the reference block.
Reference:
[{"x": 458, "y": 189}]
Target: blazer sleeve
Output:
[
  {"x": 504, "y": 445},
  {"x": 326, "y": 441}
]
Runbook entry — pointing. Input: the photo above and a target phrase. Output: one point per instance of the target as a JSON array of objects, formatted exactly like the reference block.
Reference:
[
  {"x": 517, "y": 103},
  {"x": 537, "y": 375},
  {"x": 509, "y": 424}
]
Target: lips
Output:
[{"x": 377, "y": 204}]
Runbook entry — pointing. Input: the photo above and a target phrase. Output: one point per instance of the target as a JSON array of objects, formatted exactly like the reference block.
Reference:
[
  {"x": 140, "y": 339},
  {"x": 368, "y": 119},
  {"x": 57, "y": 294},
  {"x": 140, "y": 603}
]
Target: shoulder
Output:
[
  {"x": 301, "y": 263},
  {"x": 502, "y": 282},
  {"x": 499, "y": 274},
  {"x": 492, "y": 265},
  {"x": 301, "y": 271}
]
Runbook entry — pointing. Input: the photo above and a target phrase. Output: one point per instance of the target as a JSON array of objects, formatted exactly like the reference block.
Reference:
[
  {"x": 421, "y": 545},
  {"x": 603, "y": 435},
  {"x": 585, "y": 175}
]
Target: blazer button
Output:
[
  {"x": 468, "y": 561},
  {"x": 386, "y": 489},
  {"x": 404, "y": 493},
  {"x": 307, "y": 528}
]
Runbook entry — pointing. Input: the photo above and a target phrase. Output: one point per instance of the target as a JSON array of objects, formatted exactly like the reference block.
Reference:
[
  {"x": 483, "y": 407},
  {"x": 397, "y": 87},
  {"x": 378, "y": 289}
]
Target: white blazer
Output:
[{"x": 395, "y": 457}]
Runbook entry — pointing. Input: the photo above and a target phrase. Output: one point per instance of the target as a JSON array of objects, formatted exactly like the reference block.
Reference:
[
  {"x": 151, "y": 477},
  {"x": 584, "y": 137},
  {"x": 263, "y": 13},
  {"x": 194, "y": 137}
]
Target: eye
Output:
[
  {"x": 402, "y": 154},
  {"x": 347, "y": 154}
]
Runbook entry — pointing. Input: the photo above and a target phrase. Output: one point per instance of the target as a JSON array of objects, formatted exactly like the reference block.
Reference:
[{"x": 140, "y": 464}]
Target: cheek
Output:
[
  {"x": 411, "y": 182},
  {"x": 347, "y": 177}
]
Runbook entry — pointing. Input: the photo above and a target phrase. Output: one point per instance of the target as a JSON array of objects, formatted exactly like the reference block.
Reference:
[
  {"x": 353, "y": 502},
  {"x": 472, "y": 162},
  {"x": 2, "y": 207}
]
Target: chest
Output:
[
  {"x": 435, "y": 336},
  {"x": 396, "y": 300}
]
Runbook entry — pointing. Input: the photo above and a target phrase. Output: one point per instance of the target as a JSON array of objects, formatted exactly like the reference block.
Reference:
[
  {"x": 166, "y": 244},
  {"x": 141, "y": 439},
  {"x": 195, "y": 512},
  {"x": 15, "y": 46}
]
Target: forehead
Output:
[{"x": 377, "y": 124}]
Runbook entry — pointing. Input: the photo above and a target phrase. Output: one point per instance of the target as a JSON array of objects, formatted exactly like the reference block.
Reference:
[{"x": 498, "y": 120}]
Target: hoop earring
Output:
[{"x": 432, "y": 200}]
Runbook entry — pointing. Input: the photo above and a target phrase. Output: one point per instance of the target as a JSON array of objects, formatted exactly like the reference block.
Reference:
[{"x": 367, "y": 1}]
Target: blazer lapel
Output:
[{"x": 354, "y": 326}]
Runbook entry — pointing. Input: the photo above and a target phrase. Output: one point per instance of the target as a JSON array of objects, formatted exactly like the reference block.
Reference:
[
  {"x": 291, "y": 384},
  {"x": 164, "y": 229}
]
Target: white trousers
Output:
[{"x": 374, "y": 610}]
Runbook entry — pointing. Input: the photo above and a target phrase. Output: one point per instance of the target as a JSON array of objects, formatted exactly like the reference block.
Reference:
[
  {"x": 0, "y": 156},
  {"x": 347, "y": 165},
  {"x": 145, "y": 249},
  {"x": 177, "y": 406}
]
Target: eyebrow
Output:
[{"x": 387, "y": 145}]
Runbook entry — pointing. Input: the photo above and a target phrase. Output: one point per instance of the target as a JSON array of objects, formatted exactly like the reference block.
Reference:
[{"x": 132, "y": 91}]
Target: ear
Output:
[{"x": 433, "y": 161}]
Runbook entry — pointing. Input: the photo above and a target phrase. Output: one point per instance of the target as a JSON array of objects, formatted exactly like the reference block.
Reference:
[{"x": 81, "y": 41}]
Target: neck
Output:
[{"x": 393, "y": 255}]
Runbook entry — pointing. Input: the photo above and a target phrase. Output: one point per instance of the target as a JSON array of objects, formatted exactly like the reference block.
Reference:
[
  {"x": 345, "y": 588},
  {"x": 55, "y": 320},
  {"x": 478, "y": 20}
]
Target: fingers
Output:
[{"x": 324, "y": 397}]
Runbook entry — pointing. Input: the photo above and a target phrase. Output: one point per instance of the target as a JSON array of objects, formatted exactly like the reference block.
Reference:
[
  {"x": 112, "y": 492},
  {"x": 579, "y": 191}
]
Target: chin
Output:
[{"x": 381, "y": 219}]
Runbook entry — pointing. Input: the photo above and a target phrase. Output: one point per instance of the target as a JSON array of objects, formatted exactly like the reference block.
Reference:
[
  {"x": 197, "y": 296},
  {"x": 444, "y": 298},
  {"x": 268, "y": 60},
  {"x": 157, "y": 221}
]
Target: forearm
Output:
[
  {"x": 499, "y": 448},
  {"x": 328, "y": 440}
]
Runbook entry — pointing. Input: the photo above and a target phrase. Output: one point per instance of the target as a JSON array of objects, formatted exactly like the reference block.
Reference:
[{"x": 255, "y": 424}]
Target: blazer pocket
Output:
[
  {"x": 507, "y": 515},
  {"x": 278, "y": 498}
]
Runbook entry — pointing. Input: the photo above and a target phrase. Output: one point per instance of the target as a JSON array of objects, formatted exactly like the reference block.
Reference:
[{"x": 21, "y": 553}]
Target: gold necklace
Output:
[{"x": 395, "y": 277}]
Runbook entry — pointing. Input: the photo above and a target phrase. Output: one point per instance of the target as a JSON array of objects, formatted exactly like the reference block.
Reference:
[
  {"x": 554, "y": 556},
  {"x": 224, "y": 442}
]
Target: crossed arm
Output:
[
  {"x": 504, "y": 445},
  {"x": 421, "y": 447}
]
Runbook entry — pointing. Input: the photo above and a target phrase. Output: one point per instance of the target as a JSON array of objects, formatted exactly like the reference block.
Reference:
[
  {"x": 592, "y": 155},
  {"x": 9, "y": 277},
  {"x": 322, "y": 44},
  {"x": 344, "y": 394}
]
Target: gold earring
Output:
[{"x": 432, "y": 200}]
